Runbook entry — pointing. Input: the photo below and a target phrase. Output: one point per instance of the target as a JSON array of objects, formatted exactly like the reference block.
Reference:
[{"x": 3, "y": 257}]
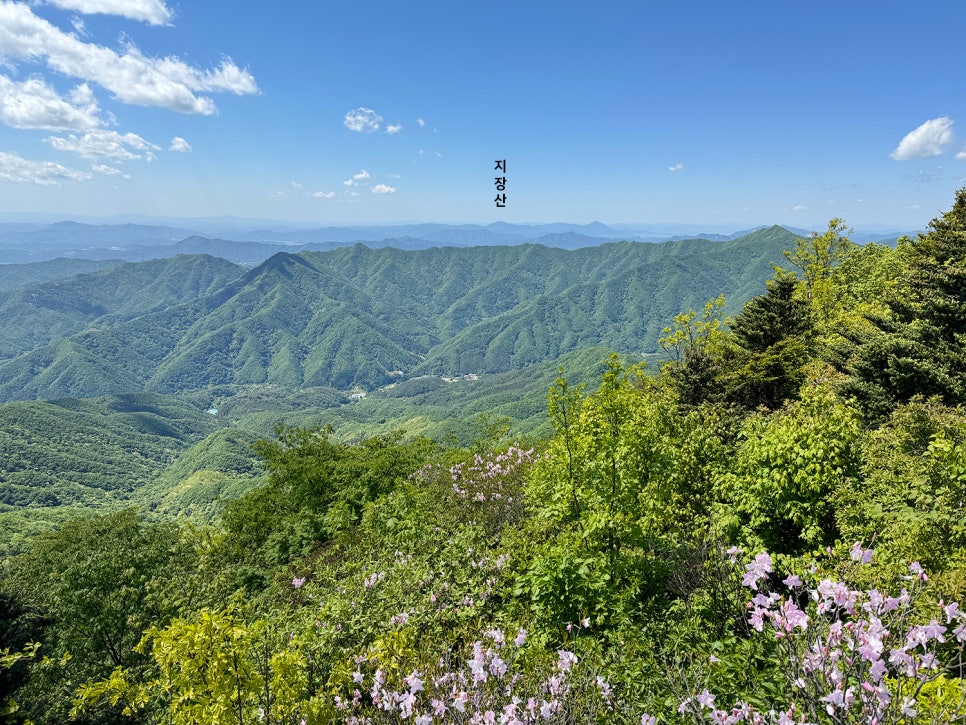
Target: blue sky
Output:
[{"x": 725, "y": 114}]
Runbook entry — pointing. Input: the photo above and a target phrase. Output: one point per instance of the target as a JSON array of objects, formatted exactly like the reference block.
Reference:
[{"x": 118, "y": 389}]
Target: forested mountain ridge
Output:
[
  {"x": 359, "y": 316},
  {"x": 35, "y": 314}
]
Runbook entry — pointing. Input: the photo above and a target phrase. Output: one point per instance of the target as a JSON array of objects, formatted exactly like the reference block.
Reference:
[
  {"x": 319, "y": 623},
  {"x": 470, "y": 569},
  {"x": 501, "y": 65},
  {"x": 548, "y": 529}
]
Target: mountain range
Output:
[
  {"x": 357, "y": 316},
  {"x": 22, "y": 242}
]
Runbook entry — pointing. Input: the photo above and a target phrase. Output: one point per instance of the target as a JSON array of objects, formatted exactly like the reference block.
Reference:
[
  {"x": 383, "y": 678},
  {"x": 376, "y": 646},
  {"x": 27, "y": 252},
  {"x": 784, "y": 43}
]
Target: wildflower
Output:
[
  {"x": 907, "y": 707},
  {"x": 298, "y": 581},
  {"x": 861, "y": 555},
  {"x": 497, "y": 636},
  {"x": 414, "y": 682},
  {"x": 759, "y": 568},
  {"x": 919, "y": 573},
  {"x": 565, "y": 660},
  {"x": 520, "y": 638},
  {"x": 706, "y": 699},
  {"x": 950, "y": 610}
]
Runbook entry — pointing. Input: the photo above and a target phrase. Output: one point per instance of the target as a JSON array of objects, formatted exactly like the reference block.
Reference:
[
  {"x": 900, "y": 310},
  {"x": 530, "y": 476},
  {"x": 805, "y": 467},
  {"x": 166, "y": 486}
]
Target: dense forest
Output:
[
  {"x": 766, "y": 528},
  {"x": 354, "y": 316}
]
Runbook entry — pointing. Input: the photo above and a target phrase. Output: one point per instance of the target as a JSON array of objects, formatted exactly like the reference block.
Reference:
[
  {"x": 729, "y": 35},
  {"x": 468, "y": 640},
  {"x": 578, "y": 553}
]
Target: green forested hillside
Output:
[
  {"x": 34, "y": 315},
  {"x": 186, "y": 455},
  {"x": 13, "y": 276},
  {"x": 769, "y": 530},
  {"x": 360, "y": 317}
]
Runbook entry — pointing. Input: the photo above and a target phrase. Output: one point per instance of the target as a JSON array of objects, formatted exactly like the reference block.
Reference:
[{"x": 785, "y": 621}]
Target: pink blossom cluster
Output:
[
  {"x": 855, "y": 656},
  {"x": 484, "y": 691},
  {"x": 485, "y": 477}
]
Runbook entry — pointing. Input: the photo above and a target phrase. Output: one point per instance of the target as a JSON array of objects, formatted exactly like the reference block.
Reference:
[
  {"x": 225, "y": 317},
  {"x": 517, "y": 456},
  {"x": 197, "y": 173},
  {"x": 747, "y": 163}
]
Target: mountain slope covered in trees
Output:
[{"x": 357, "y": 316}]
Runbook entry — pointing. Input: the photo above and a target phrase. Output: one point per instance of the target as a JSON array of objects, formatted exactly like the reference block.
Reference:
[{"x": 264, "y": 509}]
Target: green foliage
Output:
[
  {"x": 212, "y": 668},
  {"x": 771, "y": 346},
  {"x": 98, "y": 583},
  {"x": 616, "y": 490},
  {"x": 817, "y": 258},
  {"x": 786, "y": 469},
  {"x": 916, "y": 348},
  {"x": 316, "y": 488},
  {"x": 910, "y": 493},
  {"x": 695, "y": 349}
]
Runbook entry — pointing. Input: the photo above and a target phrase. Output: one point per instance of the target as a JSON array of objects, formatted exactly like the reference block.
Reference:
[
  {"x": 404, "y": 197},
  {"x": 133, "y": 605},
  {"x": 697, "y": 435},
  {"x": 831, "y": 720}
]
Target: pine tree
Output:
[
  {"x": 918, "y": 348},
  {"x": 772, "y": 335}
]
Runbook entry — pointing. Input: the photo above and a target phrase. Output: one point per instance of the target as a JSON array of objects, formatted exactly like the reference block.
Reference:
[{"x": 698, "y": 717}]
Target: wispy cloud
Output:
[
  {"x": 18, "y": 170},
  {"x": 109, "y": 171},
  {"x": 356, "y": 179},
  {"x": 393, "y": 129},
  {"x": 383, "y": 189},
  {"x": 421, "y": 122},
  {"x": 324, "y": 194},
  {"x": 131, "y": 76},
  {"x": 105, "y": 144},
  {"x": 295, "y": 185},
  {"x": 180, "y": 145},
  {"x": 362, "y": 120},
  {"x": 34, "y": 104},
  {"x": 799, "y": 207},
  {"x": 929, "y": 139},
  {"x": 961, "y": 155},
  {"x": 675, "y": 167},
  {"x": 148, "y": 11}
]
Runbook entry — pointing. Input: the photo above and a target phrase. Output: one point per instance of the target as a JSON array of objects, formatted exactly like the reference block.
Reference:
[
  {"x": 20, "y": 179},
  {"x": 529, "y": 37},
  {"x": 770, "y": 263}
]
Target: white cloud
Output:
[
  {"x": 930, "y": 139},
  {"x": 393, "y": 129},
  {"x": 324, "y": 194},
  {"x": 383, "y": 189},
  {"x": 79, "y": 27},
  {"x": 363, "y": 120},
  {"x": 131, "y": 76},
  {"x": 356, "y": 179},
  {"x": 295, "y": 185},
  {"x": 180, "y": 145},
  {"x": 961, "y": 155},
  {"x": 19, "y": 170},
  {"x": 799, "y": 207},
  {"x": 420, "y": 121},
  {"x": 148, "y": 11},
  {"x": 34, "y": 104},
  {"x": 106, "y": 144},
  {"x": 676, "y": 167},
  {"x": 278, "y": 195}
]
